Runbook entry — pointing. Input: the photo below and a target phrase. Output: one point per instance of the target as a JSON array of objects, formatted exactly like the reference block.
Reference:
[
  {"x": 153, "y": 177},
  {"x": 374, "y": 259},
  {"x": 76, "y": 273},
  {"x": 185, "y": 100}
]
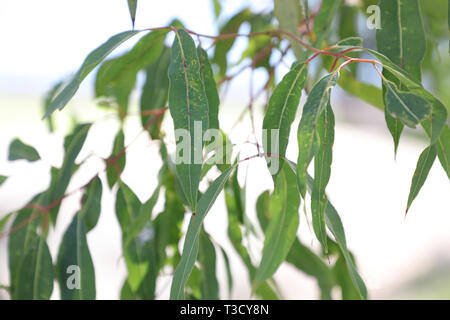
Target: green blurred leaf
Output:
[
  {"x": 75, "y": 265},
  {"x": 207, "y": 259},
  {"x": 288, "y": 14},
  {"x": 322, "y": 21},
  {"x": 90, "y": 211},
  {"x": 210, "y": 88},
  {"x": 116, "y": 162},
  {"x": 188, "y": 105},
  {"x": 282, "y": 229},
  {"x": 191, "y": 243},
  {"x": 322, "y": 173},
  {"x": 35, "y": 274},
  {"x": 132, "y": 6},
  {"x": 423, "y": 167},
  {"x": 155, "y": 91},
  {"x": 19, "y": 150},
  {"x": 3, "y": 179},
  {"x": 307, "y": 136},
  {"x": 281, "y": 112},
  {"x": 91, "y": 61}
]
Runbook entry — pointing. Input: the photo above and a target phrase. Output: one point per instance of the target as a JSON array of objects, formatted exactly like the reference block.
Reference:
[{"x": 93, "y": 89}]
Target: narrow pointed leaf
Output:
[
  {"x": 210, "y": 88},
  {"x": 423, "y": 167},
  {"x": 322, "y": 22},
  {"x": 116, "y": 162},
  {"x": 409, "y": 108},
  {"x": 288, "y": 14},
  {"x": 207, "y": 259},
  {"x": 282, "y": 229},
  {"x": 3, "y": 179},
  {"x": 322, "y": 173},
  {"x": 307, "y": 134},
  {"x": 35, "y": 275},
  {"x": 19, "y": 150},
  {"x": 75, "y": 268},
  {"x": 155, "y": 91},
  {"x": 281, "y": 112},
  {"x": 191, "y": 243},
  {"x": 189, "y": 108},
  {"x": 91, "y": 208},
  {"x": 91, "y": 61},
  {"x": 132, "y": 6}
]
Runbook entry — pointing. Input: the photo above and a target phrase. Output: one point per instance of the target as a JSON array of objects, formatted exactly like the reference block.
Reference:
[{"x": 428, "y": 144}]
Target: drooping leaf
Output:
[
  {"x": 409, "y": 108},
  {"x": 210, "y": 88},
  {"x": 191, "y": 243},
  {"x": 3, "y": 179},
  {"x": 189, "y": 109},
  {"x": 322, "y": 173},
  {"x": 72, "y": 145},
  {"x": 307, "y": 136},
  {"x": 229, "y": 273},
  {"x": 132, "y": 6},
  {"x": 4, "y": 220},
  {"x": 423, "y": 167},
  {"x": 207, "y": 259},
  {"x": 35, "y": 274},
  {"x": 90, "y": 211},
  {"x": 282, "y": 229},
  {"x": 288, "y": 14},
  {"x": 116, "y": 77},
  {"x": 75, "y": 269},
  {"x": 280, "y": 114},
  {"x": 116, "y": 162},
  {"x": 223, "y": 47},
  {"x": 155, "y": 91},
  {"x": 91, "y": 61},
  {"x": 322, "y": 22},
  {"x": 48, "y": 100},
  {"x": 19, "y": 150}
]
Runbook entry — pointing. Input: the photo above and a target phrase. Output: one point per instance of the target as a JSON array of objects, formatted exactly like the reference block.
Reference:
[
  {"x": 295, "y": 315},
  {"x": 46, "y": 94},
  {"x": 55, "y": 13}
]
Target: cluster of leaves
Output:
[{"x": 186, "y": 79}]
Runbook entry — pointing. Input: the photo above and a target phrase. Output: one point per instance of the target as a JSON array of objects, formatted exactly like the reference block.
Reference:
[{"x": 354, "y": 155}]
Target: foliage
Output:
[{"x": 184, "y": 79}]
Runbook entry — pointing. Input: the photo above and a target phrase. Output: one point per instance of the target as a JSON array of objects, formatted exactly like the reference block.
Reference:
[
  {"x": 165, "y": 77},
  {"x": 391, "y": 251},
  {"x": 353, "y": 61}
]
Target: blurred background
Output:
[{"x": 45, "y": 41}]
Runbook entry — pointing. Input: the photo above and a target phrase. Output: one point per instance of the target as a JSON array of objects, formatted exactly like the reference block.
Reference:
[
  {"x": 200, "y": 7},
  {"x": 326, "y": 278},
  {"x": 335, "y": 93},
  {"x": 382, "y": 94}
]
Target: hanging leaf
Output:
[
  {"x": 409, "y": 108},
  {"x": 35, "y": 274},
  {"x": 307, "y": 137},
  {"x": 116, "y": 162},
  {"x": 155, "y": 92},
  {"x": 423, "y": 167},
  {"x": 90, "y": 211},
  {"x": 19, "y": 150},
  {"x": 210, "y": 88},
  {"x": 2, "y": 179},
  {"x": 281, "y": 112},
  {"x": 48, "y": 100},
  {"x": 282, "y": 229},
  {"x": 322, "y": 172},
  {"x": 322, "y": 22},
  {"x": 191, "y": 243},
  {"x": 189, "y": 108},
  {"x": 207, "y": 259},
  {"x": 116, "y": 77},
  {"x": 75, "y": 269},
  {"x": 132, "y": 6},
  {"x": 288, "y": 14},
  {"x": 91, "y": 61}
]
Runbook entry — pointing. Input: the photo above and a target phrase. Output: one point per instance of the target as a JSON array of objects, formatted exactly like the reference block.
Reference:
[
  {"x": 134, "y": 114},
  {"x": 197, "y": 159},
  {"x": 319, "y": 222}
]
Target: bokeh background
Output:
[{"x": 45, "y": 41}]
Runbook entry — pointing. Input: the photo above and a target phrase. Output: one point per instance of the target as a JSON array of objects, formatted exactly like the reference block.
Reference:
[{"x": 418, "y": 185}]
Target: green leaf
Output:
[
  {"x": 281, "y": 112},
  {"x": 307, "y": 137},
  {"x": 210, "y": 88},
  {"x": 191, "y": 243},
  {"x": 217, "y": 7},
  {"x": 229, "y": 273},
  {"x": 322, "y": 173},
  {"x": 48, "y": 100},
  {"x": 263, "y": 209},
  {"x": 223, "y": 47},
  {"x": 155, "y": 91},
  {"x": 76, "y": 272},
  {"x": 4, "y": 220},
  {"x": 116, "y": 162},
  {"x": 322, "y": 22},
  {"x": 90, "y": 211},
  {"x": 409, "y": 108},
  {"x": 189, "y": 107},
  {"x": 288, "y": 14},
  {"x": 423, "y": 167},
  {"x": 282, "y": 229},
  {"x": 35, "y": 274},
  {"x": 132, "y": 6},
  {"x": 19, "y": 150},
  {"x": 116, "y": 77},
  {"x": 72, "y": 144},
  {"x": 2, "y": 179},
  {"x": 207, "y": 259},
  {"x": 91, "y": 61}
]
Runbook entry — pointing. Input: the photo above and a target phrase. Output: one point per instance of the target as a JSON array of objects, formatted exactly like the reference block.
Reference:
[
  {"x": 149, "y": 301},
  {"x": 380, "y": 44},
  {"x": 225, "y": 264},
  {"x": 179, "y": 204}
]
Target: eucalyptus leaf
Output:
[{"x": 19, "y": 150}]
